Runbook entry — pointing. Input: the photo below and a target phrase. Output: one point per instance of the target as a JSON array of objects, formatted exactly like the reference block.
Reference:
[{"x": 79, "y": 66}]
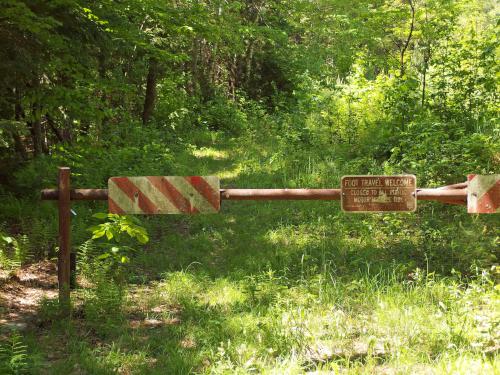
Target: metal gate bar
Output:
[
  {"x": 450, "y": 194},
  {"x": 445, "y": 194}
]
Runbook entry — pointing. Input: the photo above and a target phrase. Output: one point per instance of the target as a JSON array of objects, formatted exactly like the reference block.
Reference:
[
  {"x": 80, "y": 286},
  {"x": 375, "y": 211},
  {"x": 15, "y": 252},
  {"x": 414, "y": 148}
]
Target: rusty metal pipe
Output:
[
  {"x": 445, "y": 194},
  {"x": 431, "y": 194},
  {"x": 227, "y": 194},
  {"x": 460, "y": 185},
  {"x": 280, "y": 194},
  {"x": 77, "y": 194}
]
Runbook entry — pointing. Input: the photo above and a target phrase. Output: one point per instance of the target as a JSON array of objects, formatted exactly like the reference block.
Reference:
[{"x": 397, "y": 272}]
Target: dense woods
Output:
[
  {"x": 73, "y": 71},
  {"x": 262, "y": 94}
]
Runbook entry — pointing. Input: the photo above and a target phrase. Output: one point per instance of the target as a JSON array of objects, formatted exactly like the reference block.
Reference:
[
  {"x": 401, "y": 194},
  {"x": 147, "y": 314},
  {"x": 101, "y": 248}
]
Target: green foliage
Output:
[
  {"x": 103, "y": 304},
  {"x": 465, "y": 81},
  {"x": 14, "y": 252},
  {"x": 441, "y": 153},
  {"x": 223, "y": 115},
  {"x": 13, "y": 355},
  {"x": 113, "y": 231},
  {"x": 116, "y": 226},
  {"x": 50, "y": 313}
]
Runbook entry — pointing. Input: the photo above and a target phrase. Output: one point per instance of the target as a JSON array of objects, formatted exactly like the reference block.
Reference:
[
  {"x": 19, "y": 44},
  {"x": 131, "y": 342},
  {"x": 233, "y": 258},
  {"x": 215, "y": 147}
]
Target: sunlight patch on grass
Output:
[
  {"x": 244, "y": 324},
  {"x": 125, "y": 361},
  {"x": 292, "y": 237},
  {"x": 223, "y": 293},
  {"x": 467, "y": 364},
  {"x": 180, "y": 287},
  {"x": 415, "y": 327},
  {"x": 229, "y": 174},
  {"x": 209, "y": 152}
]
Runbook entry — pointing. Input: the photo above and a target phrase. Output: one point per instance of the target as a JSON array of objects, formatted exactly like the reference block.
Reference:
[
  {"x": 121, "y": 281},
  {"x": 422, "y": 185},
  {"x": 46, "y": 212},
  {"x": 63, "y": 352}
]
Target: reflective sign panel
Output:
[
  {"x": 164, "y": 195},
  {"x": 483, "y": 194},
  {"x": 379, "y": 193}
]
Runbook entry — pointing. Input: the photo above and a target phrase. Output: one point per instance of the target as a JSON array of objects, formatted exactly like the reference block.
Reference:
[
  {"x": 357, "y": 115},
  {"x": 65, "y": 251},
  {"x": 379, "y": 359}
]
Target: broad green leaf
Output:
[
  {"x": 9, "y": 240},
  {"x": 100, "y": 215},
  {"x": 109, "y": 234},
  {"x": 98, "y": 234}
]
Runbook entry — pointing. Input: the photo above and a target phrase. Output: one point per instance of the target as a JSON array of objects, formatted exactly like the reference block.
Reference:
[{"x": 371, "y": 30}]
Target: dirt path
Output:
[{"x": 22, "y": 292}]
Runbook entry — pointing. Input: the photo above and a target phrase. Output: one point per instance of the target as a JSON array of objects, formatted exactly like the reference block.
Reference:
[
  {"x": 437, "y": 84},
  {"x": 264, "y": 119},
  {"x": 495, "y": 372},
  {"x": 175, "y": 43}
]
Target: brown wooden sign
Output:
[{"x": 379, "y": 193}]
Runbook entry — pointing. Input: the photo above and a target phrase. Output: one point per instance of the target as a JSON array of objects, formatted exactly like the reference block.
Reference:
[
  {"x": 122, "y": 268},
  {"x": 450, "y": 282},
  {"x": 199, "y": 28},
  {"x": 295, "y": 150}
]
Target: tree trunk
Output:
[
  {"x": 19, "y": 145},
  {"x": 423, "y": 86},
  {"x": 35, "y": 127},
  {"x": 67, "y": 131},
  {"x": 45, "y": 141},
  {"x": 18, "y": 115},
  {"x": 57, "y": 132},
  {"x": 407, "y": 42},
  {"x": 101, "y": 68},
  {"x": 204, "y": 70},
  {"x": 192, "y": 86},
  {"x": 249, "y": 60},
  {"x": 427, "y": 57},
  {"x": 150, "y": 98},
  {"x": 36, "y": 136}
]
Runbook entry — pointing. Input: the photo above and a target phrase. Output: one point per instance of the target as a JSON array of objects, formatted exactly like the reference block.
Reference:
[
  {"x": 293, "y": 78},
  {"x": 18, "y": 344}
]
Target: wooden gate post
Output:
[{"x": 64, "y": 263}]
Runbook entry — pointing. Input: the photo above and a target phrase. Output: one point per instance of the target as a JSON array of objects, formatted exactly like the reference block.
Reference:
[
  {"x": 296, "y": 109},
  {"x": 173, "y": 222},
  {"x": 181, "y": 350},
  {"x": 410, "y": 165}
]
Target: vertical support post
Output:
[
  {"x": 72, "y": 278},
  {"x": 64, "y": 263}
]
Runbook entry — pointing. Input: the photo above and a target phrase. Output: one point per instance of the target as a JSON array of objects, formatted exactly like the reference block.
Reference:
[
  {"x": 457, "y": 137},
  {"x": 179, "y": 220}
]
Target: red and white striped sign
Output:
[
  {"x": 163, "y": 195},
  {"x": 483, "y": 194}
]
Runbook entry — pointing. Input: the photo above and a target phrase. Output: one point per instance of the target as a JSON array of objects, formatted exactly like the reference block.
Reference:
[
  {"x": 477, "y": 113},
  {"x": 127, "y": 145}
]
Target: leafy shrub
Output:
[
  {"x": 440, "y": 152},
  {"x": 221, "y": 114},
  {"x": 113, "y": 231}
]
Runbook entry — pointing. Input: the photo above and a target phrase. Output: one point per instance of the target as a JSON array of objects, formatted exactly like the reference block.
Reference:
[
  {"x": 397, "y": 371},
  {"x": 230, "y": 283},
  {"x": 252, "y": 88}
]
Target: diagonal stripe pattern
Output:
[
  {"x": 483, "y": 194},
  {"x": 164, "y": 195}
]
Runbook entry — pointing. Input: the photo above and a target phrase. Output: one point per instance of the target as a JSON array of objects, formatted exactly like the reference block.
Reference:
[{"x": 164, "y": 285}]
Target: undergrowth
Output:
[{"x": 278, "y": 287}]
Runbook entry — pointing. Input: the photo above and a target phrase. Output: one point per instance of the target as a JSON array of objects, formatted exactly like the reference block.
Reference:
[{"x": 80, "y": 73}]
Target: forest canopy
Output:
[{"x": 345, "y": 71}]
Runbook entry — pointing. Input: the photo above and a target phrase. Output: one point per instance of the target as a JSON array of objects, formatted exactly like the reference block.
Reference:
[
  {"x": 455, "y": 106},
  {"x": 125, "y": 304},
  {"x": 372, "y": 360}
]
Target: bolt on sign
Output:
[
  {"x": 483, "y": 194},
  {"x": 379, "y": 193},
  {"x": 164, "y": 195}
]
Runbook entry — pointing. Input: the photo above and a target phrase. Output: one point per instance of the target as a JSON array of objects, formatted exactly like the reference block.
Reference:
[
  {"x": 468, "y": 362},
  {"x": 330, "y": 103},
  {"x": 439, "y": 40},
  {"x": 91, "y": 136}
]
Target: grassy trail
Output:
[{"x": 275, "y": 288}]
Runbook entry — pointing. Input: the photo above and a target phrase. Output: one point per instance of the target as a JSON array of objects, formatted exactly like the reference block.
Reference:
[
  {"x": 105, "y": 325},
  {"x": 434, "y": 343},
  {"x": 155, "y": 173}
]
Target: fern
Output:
[
  {"x": 8, "y": 263},
  {"x": 14, "y": 252},
  {"x": 23, "y": 251},
  {"x": 42, "y": 236},
  {"x": 8, "y": 259},
  {"x": 14, "y": 356},
  {"x": 87, "y": 251}
]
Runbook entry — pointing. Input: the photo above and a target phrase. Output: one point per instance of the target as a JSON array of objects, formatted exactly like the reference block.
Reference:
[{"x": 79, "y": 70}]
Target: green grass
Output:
[
  {"x": 264, "y": 323},
  {"x": 284, "y": 287}
]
